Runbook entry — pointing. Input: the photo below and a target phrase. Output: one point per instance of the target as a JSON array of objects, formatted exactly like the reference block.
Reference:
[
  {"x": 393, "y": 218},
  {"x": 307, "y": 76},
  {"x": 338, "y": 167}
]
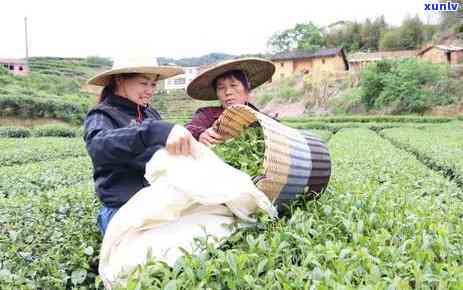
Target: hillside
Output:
[
  {"x": 197, "y": 61},
  {"x": 75, "y": 68},
  {"x": 177, "y": 107},
  {"x": 52, "y": 90},
  {"x": 386, "y": 87}
]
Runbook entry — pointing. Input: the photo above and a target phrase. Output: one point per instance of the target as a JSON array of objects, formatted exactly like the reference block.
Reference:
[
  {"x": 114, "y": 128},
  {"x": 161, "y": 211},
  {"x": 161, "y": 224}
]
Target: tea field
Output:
[{"x": 391, "y": 218}]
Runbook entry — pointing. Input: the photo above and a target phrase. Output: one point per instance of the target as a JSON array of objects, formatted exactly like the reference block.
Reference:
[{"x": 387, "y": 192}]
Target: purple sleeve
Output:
[{"x": 200, "y": 122}]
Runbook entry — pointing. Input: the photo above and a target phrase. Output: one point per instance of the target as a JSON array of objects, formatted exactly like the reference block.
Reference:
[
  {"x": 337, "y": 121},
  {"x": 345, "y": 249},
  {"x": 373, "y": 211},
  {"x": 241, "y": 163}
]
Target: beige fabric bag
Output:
[{"x": 188, "y": 197}]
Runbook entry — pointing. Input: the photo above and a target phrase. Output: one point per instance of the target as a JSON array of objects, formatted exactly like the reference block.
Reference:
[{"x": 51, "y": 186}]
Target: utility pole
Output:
[{"x": 27, "y": 46}]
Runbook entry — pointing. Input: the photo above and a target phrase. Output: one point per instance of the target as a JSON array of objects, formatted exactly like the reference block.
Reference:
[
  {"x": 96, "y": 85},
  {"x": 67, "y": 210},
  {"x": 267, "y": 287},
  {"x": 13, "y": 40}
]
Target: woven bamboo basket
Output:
[{"x": 295, "y": 162}]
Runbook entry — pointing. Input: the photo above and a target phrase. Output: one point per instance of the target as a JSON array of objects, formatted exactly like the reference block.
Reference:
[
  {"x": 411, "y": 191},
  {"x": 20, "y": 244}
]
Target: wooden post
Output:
[{"x": 27, "y": 46}]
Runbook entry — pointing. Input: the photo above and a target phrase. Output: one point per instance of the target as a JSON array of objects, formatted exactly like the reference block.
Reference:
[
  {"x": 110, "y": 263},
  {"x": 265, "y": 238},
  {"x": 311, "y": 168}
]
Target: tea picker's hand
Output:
[
  {"x": 179, "y": 141},
  {"x": 210, "y": 137}
]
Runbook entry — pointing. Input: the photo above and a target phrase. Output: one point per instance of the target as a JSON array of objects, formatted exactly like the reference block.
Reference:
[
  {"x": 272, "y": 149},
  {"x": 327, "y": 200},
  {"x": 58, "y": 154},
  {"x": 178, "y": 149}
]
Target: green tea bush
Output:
[
  {"x": 98, "y": 61},
  {"x": 30, "y": 107},
  {"x": 49, "y": 240},
  {"x": 370, "y": 119},
  {"x": 385, "y": 222},
  {"x": 35, "y": 177},
  {"x": 335, "y": 127},
  {"x": 3, "y": 71},
  {"x": 55, "y": 131},
  {"x": 20, "y": 151},
  {"x": 439, "y": 147},
  {"x": 15, "y": 132}
]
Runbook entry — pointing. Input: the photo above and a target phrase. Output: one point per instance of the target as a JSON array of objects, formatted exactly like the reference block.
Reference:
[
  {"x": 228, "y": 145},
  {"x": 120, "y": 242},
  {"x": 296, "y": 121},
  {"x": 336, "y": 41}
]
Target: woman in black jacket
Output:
[{"x": 122, "y": 132}]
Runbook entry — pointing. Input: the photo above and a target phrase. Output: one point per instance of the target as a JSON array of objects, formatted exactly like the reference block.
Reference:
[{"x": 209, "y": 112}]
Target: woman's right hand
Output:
[
  {"x": 210, "y": 136},
  {"x": 179, "y": 141}
]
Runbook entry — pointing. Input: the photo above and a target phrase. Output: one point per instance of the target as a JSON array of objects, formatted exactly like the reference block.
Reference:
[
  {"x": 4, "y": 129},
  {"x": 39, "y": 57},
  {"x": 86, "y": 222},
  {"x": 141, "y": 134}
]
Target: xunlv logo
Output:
[{"x": 449, "y": 6}]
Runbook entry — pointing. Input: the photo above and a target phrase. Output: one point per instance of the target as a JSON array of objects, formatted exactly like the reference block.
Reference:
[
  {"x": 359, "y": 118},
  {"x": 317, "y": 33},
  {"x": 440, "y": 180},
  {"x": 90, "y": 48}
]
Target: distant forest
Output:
[
  {"x": 196, "y": 61},
  {"x": 369, "y": 35}
]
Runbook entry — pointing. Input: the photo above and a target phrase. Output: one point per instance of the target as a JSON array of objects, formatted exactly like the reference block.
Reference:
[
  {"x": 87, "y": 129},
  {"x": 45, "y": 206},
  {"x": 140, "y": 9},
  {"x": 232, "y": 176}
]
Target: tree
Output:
[
  {"x": 281, "y": 41},
  {"x": 302, "y": 36},
  {"x": 411, "y": 33},
  {"x": 308, "y": 36},
  {"x": 350, "y": 36},
  {"x": 378, "y": 28},
  {"x": 429, "y": 30},
  {"x": 390, "y": 40},
  {"x": 452, "y": 21},
  {"x": 367, "y": 35},
  {"x": 353, "y": 36}
]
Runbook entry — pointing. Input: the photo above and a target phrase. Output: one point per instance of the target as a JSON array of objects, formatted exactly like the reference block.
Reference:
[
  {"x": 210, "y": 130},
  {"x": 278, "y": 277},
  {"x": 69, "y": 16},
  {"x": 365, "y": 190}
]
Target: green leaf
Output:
[
  {"x": 88, "y": 251},
  {"x": 171, "y": 285},
  {"x": 78, "y": 276}
]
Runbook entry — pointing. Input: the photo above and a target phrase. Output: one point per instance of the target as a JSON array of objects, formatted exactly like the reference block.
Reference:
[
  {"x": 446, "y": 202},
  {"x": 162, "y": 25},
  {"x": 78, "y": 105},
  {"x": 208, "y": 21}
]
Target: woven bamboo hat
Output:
[
  {"x": 257, "y": 70},
  {"x": 135, "y": 64}
]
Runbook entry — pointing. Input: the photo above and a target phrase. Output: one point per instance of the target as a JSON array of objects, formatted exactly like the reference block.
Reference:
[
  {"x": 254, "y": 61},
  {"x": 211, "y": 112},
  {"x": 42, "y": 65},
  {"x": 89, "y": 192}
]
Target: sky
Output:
[{"x": 174, "y": 28}]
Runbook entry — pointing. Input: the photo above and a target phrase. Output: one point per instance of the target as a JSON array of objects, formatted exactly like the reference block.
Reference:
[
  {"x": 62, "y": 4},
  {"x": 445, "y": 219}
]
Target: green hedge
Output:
[
  {"x": 15, "y": 132},
  {"x": 30, "y": 107},
  {"x": 50, "y": 130},
  {"x": 55, "y": 131},
  {"x": 440, "y": 148},
  {"x": 335, "y": 127},
  {"x": 368, "y": 119}
]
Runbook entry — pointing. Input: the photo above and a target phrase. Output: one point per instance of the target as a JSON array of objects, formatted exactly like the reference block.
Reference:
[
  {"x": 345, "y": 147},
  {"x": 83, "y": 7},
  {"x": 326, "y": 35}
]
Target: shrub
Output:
[
  {"x": 369, "y": 119},
  {"x": 372, "y": 81},
  {"x": 80, "y": 131},
  {"x": 98, "y": 61},
  {"x": 284, "y": 90},
  {"x": 3, "y": 71},
  {"x": 55, "y": 131},
  {"x": 408, "y": 86},
  {"x": 29, "y": 107},
  {"x": 348, "y": 101},
  {"x": 15, "y": 132}
]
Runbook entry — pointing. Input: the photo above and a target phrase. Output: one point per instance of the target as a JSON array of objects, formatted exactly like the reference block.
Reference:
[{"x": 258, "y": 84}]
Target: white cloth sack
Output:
[{"x": 188, "y": 197}]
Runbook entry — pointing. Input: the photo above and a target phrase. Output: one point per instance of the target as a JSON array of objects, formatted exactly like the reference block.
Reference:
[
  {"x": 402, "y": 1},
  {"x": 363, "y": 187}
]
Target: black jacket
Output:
[{"x": 121, "y": 137}]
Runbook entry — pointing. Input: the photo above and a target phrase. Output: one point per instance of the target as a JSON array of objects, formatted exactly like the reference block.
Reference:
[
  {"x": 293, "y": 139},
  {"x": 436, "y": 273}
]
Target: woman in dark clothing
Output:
[
  {"x": 231, "y": 83},
  {"x": 122, "y": 132}
]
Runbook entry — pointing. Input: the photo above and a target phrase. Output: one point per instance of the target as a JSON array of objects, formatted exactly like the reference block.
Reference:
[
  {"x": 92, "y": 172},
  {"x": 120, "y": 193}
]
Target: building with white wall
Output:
[{"x": 180, "y": 82}]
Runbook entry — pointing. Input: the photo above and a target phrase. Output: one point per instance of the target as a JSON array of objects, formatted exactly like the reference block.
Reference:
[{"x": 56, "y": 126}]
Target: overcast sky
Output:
[{"x": 173, "y": 28}]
